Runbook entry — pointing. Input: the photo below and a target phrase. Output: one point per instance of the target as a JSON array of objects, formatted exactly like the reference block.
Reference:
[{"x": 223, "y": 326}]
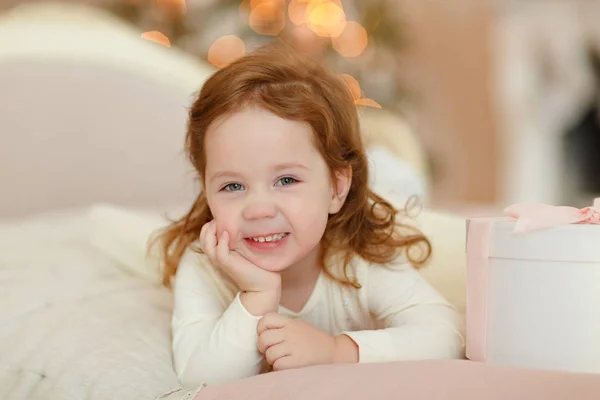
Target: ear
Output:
[{"x": 340, "y": 188}]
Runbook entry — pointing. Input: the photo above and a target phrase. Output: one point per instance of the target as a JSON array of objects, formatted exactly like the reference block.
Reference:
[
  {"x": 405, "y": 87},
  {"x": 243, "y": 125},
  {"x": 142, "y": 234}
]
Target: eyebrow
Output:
[
  {"x": 278, "y": 167},
  {"x": 292, "y": 165}
]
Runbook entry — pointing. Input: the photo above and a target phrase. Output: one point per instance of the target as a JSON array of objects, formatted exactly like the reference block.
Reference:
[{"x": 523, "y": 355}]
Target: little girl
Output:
[{"x": 287, "y": 259}]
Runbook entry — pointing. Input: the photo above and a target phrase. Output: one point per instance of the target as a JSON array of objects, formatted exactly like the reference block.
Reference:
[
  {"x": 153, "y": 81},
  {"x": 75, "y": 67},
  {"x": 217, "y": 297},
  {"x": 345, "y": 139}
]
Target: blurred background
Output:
[{"x": 501, "y": 94}]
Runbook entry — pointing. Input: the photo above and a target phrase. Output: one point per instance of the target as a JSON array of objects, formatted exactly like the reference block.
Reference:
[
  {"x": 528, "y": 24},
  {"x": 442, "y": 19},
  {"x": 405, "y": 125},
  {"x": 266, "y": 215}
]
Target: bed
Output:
[
  {"x": 92, "y": 118},
  {"x": 73, "y": 325},
  {"x": 91, "y": 126}
]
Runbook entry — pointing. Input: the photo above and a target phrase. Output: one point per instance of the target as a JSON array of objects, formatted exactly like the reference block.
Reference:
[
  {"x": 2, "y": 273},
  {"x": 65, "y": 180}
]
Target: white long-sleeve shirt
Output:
[{"x": 215, "y": 338}]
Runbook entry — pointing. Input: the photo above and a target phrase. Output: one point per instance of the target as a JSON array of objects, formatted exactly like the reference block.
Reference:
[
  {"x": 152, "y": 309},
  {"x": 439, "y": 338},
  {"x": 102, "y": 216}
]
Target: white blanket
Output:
[
  {"x": 82, "y": 311},
  {"x": 73, "y": 324}
]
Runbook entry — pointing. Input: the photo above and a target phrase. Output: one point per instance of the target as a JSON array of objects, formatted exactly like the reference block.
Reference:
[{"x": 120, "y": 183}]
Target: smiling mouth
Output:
[{"x": 269, "y": 238}]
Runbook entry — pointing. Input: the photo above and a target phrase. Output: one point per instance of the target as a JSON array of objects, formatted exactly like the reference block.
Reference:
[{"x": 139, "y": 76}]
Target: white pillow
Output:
[
  {"x": 394, "y": 179},
  {"x": 123, "y": 235}
]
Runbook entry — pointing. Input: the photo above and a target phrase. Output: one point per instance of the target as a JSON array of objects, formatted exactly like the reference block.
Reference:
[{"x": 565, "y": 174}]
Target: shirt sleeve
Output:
[
  {"x": 418, "y": 323},
  {"x": 213, "y": 342}
]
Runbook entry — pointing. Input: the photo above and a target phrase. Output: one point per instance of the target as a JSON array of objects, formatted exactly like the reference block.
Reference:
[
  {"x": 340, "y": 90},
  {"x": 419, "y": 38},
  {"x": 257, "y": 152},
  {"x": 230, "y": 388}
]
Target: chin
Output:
[{"x": 271, "y": 264}]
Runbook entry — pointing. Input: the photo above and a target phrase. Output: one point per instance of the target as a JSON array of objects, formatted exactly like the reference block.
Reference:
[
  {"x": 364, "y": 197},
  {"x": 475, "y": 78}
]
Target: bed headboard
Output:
[{"x": 90, "y": 112}]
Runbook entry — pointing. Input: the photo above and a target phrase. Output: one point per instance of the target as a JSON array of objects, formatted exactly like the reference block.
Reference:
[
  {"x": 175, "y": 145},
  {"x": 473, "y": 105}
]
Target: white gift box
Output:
[{"x": 533, "y": 298}]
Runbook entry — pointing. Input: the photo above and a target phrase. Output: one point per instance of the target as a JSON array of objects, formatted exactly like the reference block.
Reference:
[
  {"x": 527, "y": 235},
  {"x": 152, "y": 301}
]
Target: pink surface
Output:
[
  {"x": 431, "y": 380},
  {"x": 478, "y": 249}
]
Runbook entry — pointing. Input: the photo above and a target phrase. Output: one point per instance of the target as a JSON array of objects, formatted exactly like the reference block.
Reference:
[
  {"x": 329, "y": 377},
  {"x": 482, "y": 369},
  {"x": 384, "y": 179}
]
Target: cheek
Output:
[
  {"x": 224, "y": 217},
  {"x": 311, "y": 217},
  {"x": 316, "y": 228}
]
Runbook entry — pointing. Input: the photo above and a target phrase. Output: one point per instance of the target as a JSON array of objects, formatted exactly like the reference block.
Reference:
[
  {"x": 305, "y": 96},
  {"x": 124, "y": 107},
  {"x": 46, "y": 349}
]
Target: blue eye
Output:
[
  {"x": 285, "y": 181},
  {"x": 233, "y": 187}
]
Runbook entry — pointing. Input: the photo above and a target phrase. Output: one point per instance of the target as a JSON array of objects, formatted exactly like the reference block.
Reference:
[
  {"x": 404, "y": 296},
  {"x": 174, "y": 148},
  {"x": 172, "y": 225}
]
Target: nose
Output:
[{"x": 259, "y": 208}]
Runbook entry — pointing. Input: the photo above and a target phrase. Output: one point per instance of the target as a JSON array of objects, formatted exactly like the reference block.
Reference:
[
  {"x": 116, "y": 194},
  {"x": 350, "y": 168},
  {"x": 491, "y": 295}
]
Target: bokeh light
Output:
[
  {"x": 156, "y": 37},
  {"x": 306, "y": 41},
  {"x": 267, "y": 17},
  {"x": 173, "y": 5},
  {"x": 326, "y": 18},
  {"x": 353, "y": 85},
  {"x": 226, "y": 50},
  {"x": 297, "y": 11},
  {"x": 352, "y": 42}
]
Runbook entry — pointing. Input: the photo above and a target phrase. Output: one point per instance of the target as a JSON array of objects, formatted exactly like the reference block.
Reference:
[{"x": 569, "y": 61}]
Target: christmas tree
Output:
[{"x": 358, "y": 38}]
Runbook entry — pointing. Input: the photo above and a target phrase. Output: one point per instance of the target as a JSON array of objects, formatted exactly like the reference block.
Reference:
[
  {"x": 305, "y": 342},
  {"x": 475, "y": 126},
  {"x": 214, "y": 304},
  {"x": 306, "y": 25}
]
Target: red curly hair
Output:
[{"x": 297, "y": 88}]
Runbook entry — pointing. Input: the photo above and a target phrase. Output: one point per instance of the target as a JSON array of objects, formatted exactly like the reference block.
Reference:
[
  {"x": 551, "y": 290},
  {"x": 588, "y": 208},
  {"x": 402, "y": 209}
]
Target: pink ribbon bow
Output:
[{"x": 534, "y": 216}]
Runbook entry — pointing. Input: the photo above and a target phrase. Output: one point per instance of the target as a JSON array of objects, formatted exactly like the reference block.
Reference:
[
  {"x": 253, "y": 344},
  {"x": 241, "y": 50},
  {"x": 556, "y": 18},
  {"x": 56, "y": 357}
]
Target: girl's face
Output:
[{"x": 269, "y": 187}]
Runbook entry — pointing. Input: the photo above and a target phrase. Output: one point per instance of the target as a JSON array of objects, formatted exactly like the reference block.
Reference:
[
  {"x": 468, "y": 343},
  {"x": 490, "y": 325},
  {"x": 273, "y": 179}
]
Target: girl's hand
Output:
[
  {"x": 293, "y": 343},
  {"x": 249, "y": 277}
]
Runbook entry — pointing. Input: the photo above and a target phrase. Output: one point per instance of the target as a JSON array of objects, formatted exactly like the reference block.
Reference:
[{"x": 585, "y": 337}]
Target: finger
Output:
[
  {"x": 210, "y": 240},
  {"x": 270, "y": 337},
  {"x": 271, "y": 321},
  {"x": 203, "y": 237},
  {"x": 211, "y": 234},
  {"x": 276, "y": 352},
  {"x": 283, "y": 363},
  {"x": 222, "y": 250}
]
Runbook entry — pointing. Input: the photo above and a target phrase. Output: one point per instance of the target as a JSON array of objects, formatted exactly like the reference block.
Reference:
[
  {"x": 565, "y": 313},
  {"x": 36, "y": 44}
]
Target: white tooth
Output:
[{"x": 271, "y": 238}]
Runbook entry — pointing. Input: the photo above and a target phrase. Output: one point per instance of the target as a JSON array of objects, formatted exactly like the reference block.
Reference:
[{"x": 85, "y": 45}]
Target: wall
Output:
[{"x": 448, "y": 67}]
